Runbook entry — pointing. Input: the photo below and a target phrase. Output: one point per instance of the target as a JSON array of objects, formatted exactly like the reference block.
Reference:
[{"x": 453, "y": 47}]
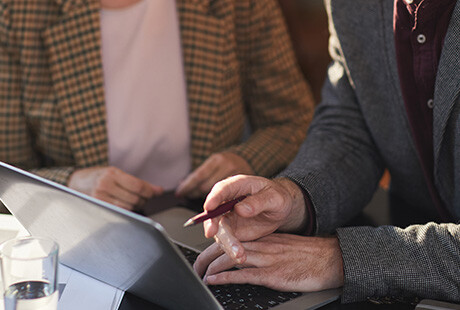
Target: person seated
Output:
[
  {"x": 390, "y": 100},
  {"x": 125, "y": 99}
]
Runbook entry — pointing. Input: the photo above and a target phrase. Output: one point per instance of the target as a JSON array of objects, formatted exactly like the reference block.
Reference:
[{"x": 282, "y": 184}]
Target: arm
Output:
[
  {"x": 16, "y": 138},
  {"x": 338, "y": 165},
  {"x": 278, "y": 101},
  {"x": 419, "y": 261}
]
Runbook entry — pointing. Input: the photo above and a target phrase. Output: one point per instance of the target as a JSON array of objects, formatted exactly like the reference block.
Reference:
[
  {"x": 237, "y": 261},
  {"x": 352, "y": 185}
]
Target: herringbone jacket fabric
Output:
[
  {"x": 237, "y": 59},
  {"x": 360, "y": 128}
]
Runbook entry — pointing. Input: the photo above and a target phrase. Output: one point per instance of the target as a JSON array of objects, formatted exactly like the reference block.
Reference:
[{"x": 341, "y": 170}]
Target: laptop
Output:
[{"x": 130, "y": 251}]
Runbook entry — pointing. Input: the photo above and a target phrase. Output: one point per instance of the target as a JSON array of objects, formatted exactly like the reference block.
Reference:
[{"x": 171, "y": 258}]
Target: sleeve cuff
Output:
[{"x": 311, "y": 214}]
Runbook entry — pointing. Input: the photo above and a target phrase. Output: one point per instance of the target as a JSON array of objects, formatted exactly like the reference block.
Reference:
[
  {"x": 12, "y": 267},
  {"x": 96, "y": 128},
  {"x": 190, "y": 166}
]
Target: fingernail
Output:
[{"x": 235, "y": 250}]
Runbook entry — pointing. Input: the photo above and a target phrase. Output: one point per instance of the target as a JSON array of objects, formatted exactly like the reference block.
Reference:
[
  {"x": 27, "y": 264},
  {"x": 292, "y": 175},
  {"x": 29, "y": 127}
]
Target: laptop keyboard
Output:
[{"x": 237, "y": 296}]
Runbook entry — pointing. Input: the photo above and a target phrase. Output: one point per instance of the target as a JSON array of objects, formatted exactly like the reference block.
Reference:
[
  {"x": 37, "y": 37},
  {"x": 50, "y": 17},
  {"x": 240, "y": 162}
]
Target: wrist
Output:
[
  {"x": 296, "y": 219},
  {"x": 71, "y": 179}
]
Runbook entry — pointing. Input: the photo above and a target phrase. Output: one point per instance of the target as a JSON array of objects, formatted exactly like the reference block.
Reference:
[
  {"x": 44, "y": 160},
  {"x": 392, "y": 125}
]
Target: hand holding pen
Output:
[
  {"x": 220, "y": 210},
  {"x": 269, "y": 205},
  {"x": 224, "y": 236}
]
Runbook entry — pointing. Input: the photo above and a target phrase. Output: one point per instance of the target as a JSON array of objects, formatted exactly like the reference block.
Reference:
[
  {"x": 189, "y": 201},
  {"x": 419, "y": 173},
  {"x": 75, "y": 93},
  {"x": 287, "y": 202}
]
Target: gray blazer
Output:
[{"x": 361, "y": 127}]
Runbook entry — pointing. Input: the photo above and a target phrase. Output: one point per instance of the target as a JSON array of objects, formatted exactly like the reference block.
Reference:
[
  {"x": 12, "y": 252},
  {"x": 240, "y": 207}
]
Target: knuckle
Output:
[
  {"x": 218, "y": 157},
  {"x": 204, "y": 188},
  {"x": 137, "y": 186},
  {"x": 274, "y": 248},
  {"x": 265, "y": 278},
  {"x": 275, "y": 198},
  {"x": 217, "y": 186},
  {"x": 101, "y": 185},
  {"x": 213, "y": 268},
  {"x": 111, "y": 171}
]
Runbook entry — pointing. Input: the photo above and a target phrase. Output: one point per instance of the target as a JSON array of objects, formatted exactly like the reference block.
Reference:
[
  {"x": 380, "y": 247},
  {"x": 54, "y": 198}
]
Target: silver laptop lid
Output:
[
  {"x": 110, "y": 244},
  {"x": 118, "y": 247}
]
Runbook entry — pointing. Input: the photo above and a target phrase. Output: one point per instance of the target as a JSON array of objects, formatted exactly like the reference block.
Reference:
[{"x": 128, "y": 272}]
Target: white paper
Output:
[
  {"x": 84, "y": 292},
  {"x": 10, "y": 228}
]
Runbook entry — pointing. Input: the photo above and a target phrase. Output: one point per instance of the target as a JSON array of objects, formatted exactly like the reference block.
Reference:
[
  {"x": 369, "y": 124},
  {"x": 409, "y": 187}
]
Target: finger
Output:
[
  {"x": 135, "y": 185},
  {"x": 217, "y": 175},
  {"x": 124, "y": 195},
  {"x": 221, "y": 263},
  {"x": 253, "y": 259},
  {"x": 201, "y": 190},
  {"x": 111, "y": 199},
  {"x": 263, "y": 195},
  {"x": 110, "y": 187},
  {"x": 226, "y": 190},
  {"x": 229, "y": 243},
  {"x": 268, "y": 199},
  {"x": 231, "y": 188},
  {"x": 253, "y": 276},
  {"x": 196, "y": 178},
  {"x": 205, "y": 187},
  {"x": 270, "y": 204},
  {"x": 221, "y": 170},
  {"x": 206, "y": 257},
  {"x": 211, "y": 227}
]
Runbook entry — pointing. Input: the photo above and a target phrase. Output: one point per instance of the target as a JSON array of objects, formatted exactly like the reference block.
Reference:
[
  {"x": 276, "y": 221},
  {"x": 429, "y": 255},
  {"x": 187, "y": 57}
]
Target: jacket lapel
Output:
[
  {"x": 388, "y": 13},
  {"x": 203, "y": 41},
  {"x": 446, "y": 116},
  {"x": 73, "y": 45},
  {"x": 447, "y": 87}
]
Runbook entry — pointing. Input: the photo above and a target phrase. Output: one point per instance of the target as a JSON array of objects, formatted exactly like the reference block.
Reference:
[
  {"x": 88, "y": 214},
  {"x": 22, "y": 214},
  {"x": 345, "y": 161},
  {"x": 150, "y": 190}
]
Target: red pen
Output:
[{"x": 221, "y": 209}]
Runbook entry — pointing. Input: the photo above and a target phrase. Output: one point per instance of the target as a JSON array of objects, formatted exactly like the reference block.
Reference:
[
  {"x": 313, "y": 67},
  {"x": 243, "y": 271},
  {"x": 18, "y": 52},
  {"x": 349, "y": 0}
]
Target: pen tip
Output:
[{"x": 188, "y": 223}]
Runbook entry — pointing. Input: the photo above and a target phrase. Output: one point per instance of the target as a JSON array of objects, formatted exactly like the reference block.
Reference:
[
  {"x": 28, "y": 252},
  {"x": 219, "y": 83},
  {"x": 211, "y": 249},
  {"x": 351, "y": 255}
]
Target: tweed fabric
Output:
[
  {"x": 361, "y": 127},
  {"x": 421, "y": 261},
  {"x": 238, "y": 62}
]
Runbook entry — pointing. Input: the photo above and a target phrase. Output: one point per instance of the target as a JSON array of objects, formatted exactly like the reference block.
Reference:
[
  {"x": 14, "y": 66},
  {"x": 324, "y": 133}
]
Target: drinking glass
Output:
[{"x": 29, "y": 269}]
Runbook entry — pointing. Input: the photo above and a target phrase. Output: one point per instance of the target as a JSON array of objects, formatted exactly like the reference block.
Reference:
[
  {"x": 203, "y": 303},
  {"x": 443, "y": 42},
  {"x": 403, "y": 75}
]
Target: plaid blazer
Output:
[{"x": 238, "y": 63}]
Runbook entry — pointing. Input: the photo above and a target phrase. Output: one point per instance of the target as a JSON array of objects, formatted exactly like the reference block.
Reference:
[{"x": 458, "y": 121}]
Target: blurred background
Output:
[{"x": 307, "y": 25}]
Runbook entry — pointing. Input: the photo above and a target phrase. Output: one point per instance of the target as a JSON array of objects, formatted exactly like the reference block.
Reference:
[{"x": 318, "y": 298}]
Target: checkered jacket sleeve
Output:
[
  {"x": 16, "y": 141},
  {"x": 278, "y": 101}
]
